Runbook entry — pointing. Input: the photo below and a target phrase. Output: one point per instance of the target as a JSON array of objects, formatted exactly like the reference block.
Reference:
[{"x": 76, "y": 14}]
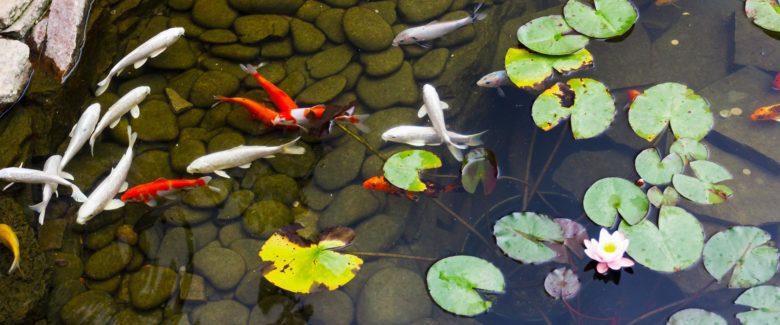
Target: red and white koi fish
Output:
[
  {"x": 284, "y": 103},
  {"x": 766, "y": 113},
  {"x": 148, "y": 192},
  {"x": 350, "y": 117},
  {"x": 421, "y": 35},
  {"x": 258, "y": 111},
  {"x": 302, "y": 118}
]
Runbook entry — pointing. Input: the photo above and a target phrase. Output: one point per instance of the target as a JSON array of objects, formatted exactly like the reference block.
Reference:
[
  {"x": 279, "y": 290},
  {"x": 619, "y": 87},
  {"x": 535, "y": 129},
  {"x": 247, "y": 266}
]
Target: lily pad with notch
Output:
[
  {"x": 455, "y": 284},
  {"x": 603, "y": 19},
  {"x": 764, "y": 13},
  {"x": 524, "y": 236},
  {"x": 667, "y": 197},
  {"x": 656, "y": 171},
  {"x": 765, "y": 301},
  {"x": 403, "y": 168},
  {"x": 696, "y": 316},
  {"x": 744, "y": 250},
  {"x": 587, "y": 101},
  {"x": 689, "y": 150},
  {"x": 529, "y": 70},
  {"x": 703, "y": 188},
  {"x": 670, "y": 103},
  {"x": 562, "y": 283},
  {"x": 551, "y": 35},
  {"x": 480, "y": 166},
  {"x": 611, "y": 196}
]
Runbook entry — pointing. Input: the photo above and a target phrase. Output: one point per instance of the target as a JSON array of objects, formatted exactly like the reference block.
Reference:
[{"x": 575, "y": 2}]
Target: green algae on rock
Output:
[
  {"x": 431, "y": 65},
  {"x": 210, "y": 84},
  {"x": 267, "y": 6},
  {"x": 393, "y": 295},
  {"x": 184, "y": 152},
  {"x": 277, "y": 50},
  {"x": 255, "y": 28},
  {"x": 151, "y": 286},
  {"x": 330, "y": 61},
  {"x": 205, "y": 197},
  {"x": 218, "y": 36},
  {"x": 382, "y": 63},
  {"x": 329, "y": 22},
  {"x": 295, "y": 165},
  {"x": 156, "y": 123},
  {"x": 108, "y": 261},
  {"x": 322, "y": 91},
  {"x": 180, "y": 215},
  {"x": 224, "y": 141},
  {"x": 306, "y": 38},
  {"x": 310, "y": 10},
  {"x": 340, "y": 166},
  {"x": 213, "y": 13},
  {"x": 386, "y": 9},
  {"x": 351, "y": 204},
  {"x": 150, "y": 166},
  {"x": 236, "y": 52},
  {"x": 89, "y": 307},
  {"x": 367, "y": 30},
  {"x": 221, "y": 312},
  {"x": 235, "y": 205},
  {"x": 129, "y": 316},
  {"x": 277, "y": 187},
  {"x": 264, "y": 217},
  {"x": 397, "y": 88},
  {"x": 418, "y": 11}
]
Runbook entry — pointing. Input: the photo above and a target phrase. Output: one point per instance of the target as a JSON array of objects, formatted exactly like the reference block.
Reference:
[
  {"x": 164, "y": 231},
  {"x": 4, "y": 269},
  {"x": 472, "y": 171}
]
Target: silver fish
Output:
[
  {"x": 427, "y": 136},
  {"x": 34, "y": 176},
  {"x": 51, "y": 167},
  {"x": 495, "y": 79},
  {"x": 241, "y": 156},
  {"x": 102, "y": 198},
  {"x": 434, "y": 107},
  {"x": 128, "y": 103},
  {"x": 80, "y": 133},
  {"x": 149, "y": 49},
  {"x": 421, "y": 35}
]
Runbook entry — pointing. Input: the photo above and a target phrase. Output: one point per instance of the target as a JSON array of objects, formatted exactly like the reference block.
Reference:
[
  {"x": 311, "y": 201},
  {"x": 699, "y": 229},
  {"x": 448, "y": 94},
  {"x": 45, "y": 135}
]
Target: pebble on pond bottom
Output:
[
  {"x": 746, "y": 172},
  {"x": 725, "y": 113},
  {"x": 735, "y": 111}
]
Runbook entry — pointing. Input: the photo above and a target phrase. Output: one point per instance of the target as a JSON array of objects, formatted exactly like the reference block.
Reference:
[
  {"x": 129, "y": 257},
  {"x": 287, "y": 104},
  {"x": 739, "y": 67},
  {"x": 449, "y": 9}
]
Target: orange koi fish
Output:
[
  {"x": 776, "y": 82},
  {"x": 301, "y": 117},
  {"x": 766, "y": 113},
  {"x": 380, "y": 184},
  {"x": 283, "y": 102},
  {"x": 258, "y": 111},
  {"x": 632, "y": 94},
  {"x": 163, "y": 187}
]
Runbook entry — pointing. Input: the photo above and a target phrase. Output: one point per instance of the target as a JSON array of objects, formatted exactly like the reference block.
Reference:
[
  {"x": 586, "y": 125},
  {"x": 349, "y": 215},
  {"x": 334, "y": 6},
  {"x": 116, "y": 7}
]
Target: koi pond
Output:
[{"x": 398, "y": 162}]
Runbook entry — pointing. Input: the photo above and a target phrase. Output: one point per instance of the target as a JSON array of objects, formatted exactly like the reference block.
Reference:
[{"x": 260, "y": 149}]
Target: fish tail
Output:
[
  {"x": 219, "y": 100},
  {"x": 475, "y": 139},
  {"x": 14, "y": 265},
  {"x": 205, "y": 179},
  {"x": 291, "y": 149},
  {"x": 359, "y": 123},
  {"x": 103, "y": 85},
  {"x": 92, "y": 144},
  {"x": 40, "y": 208},
  {"x": 131, "y": 136},
  {"x": 77, "y": 195},
  {"x": 248, "y": 68},
  {"x": 476, "y": 15},
  {"x": 455, "y": 151}
]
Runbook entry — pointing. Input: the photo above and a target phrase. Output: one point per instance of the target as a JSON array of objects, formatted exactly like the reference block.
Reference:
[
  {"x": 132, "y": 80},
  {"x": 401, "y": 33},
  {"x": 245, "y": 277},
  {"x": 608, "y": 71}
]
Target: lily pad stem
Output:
[
  {"x": 362, "y": 141},
  {"x": 392, "y": 255},
  {"x": 680, "y": 302},
  {"x": 546, "y": 166},
  {"x": 461, "y": 220}
]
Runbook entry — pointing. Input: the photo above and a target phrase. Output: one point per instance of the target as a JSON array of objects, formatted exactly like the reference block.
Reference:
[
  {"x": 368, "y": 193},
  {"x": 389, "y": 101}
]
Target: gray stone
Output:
[
  {"x": 206, "y": 197},
  {"x": 295, "y": 166},
  {"x": 235, "y": 205},
  {"x": 184, "y": 152},
  {"x": 230, "y": 233},
  {"x": 632, "y": 53},
  {"x": 431, "y": 64},
  {"x": 176, "y": 248},
  {"x": 248, "y": 248},
  {"x": 393, "y": 296},
  {"x": 14, "y": 72},
  {"x": 340, "y": 166},
  {"x": 418, "y": 11},
  {"x": 149, "y": 166},
  {"x": 351, "y": 204},
  {"x": 571, "y": 176},
  {"x": 64, "y": 27},
  {"x": 210, "y": 84},
  {"x": 255, "y": 28},
  {"x": 221, "y": 266},
  {"x": 753, "y": 46},
  {"x": 264, "y": 217},
  {"x": 10, "y": 11},
  {"x": 151, "y": 286},
  {"x": 330, "y": 308},
  {"x": 180, "y": 215},
  {"x": 277, "y": 187},
  {"x": 378, "y": 233},
  {"x": 226, "y": 312},
  {"x": 314, "y": 197},
  {"x": 386, "y": 119},
  {"x": 26, "y": 20}
]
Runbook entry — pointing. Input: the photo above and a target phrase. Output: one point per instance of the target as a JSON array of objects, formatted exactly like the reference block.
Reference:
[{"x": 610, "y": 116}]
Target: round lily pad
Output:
[
  {"x": 551, "y": 35},
  {"x": 455, "y": 284},
  {"x": 522, "y": 236},
  {"x": 403, "y": 169},
  {"x": 765, "y": 301},
  {"x": 562, "y": 283},
  {"x": 610, "y": 196},
  {"x": 689, "y": 150},
  {"x": 696, "y": 316},
  {"x": 587, "y": 101},
  {"x": 609, "y": 18},
  {"x": 764, "y": 13},
  {"x": 702, "y": 188},
  {"x": 670, "y": 103},
  {"x": 655, "y": 171},
  {"x": 529, "y": 70},
  {"x": 746, "y": 250}
]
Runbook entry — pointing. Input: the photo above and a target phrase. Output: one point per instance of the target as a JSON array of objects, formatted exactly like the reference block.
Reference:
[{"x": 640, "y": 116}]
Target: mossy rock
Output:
[
  {"x": 216, "y": 64},
  {"x": 184, "y": 152},
  {"x": 382, "y": 63},
  {"x": 352, "y": 73},
  {"x": 351, "y": 204},
  {"x": 184, "y": 20},
  {"x": 278, "y": 49},
  {"x": 235, "y": 205},
  {"x": 314, "y": 197},
  {"x": 255, "y": 28},
  {"x": 257, "y": 169},
  {"x": 182, "y": 83},
  {"x": 155, "y": 82},
  {"x": 109, "y": 285},
  {"x": 277, "y": 187},
  {"x": 267, "y": 6},
  {"x": 175, "y": 248},
  {"x": 367, "y": 30},
  {"x": 225, "y": 140},
  {"x": 177, "y": 102},
  {"x": 340, "y": 166},
  {"x": 89, "y": 307},
  {"x": 295, "y": 166},
  {"x": 129, "y": 316},
  {"x": 196, "y": 133},
  {"x": 386, "y": 9},
  {"x": 322, "y": 91},
  {"x": 156, "y": 123},
  {"x": 149, "y": 166},
  {"x": 431, "y": 65},
  {"x": 210, "y": 84},
  {"x": 221, "y": 266},
  {"x": 218, "y": 36},
  {"x": 273, "y": 71},
  {"x": 180, "y": 215},
  {"x": 205, "y": 197},
  {"x": 235, "y": 52},
  {"x": 102, "y": 237},
  {"x": 310, "y": 10},
  {"x": 293, "y": 83},
  {"x": 329, "y": 22},
  {"x": 398, "y": 88},
  {"x": 213, "y": 13},
  {"x": 180, "y": 4},
  {"x": 418, "y": 11},
  {"x": 330, "y": 61},
  {"x": 306, "y": 38},
  {"x": 151, "y": 286},
  {"x": 264, "y": 217},
  {"x": 240, "y": 119},
  {"x": 178, "y": 56},
  {"x": 341, "y": 3},
  {"x": 460, "y": 36},
  {"x": 215, "y": 118}
]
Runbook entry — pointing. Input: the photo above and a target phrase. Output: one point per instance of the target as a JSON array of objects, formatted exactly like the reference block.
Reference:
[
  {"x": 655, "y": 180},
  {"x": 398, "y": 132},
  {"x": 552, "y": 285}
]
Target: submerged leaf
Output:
[
  {"x": 609, "y": 18},
  {"x": 522, "y": 236},
  {"x": 670, "y": 103},
  {"x": 655, "y": 171},
  {"x": 674, "y": 245},
  {"x": 689, "y": 150},
  {"x": 454, "y": 283},
  {"x": 551, "y": 35},
  {"x": 587, "y": 101},
  {"x": 529, "y": 70},
  {"x": 298, "y": 265},
  {"x": 610, "y": 196},
  {"x": 764, "y": 13},
  {"x": 766, "y": 303},
  {"x": 703, "y": 189},
  {"x": 696, "y": 316},
  {"x": 562, "y": 283},
  {"x": 403, "y": 169},
  {"x": 746, "y": 250},
  {"x": 480, "y": 165}
]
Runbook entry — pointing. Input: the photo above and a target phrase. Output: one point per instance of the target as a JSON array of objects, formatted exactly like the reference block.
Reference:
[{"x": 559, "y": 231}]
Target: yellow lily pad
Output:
[{"x": 529, "y": 70}]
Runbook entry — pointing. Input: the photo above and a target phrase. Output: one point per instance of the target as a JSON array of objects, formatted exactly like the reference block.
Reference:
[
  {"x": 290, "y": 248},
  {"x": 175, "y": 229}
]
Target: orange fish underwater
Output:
[
  {"x": 258, "y": 111},
  {"x": 766, "y": 113},
  {"x": 148, "y": 192},
  {"x": 380, "y": 184},
  {"x": 284, "y": 103},
  {"x": 632, "y": 94}
]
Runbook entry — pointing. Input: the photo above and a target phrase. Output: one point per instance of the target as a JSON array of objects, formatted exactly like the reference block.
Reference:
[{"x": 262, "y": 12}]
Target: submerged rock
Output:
[
  {"x": 129, "y": 316},
  {"x": 255, "y": 28},
  {"x": 184, "y": 152},
  {"x": 151, "y": 286},
  {"x": 226, "y": 312},
  {"x": 310, "y": 10},
  {"x": 206, "y": 197},
  {"x": 340, "y": 166},
  {"x": 397, "y": 88},
  {"x": 156, "y": 123},
  {"x": 382, "y": 63},
  {"x": 431, "y": 64},
  {"x": 306, "y": 38},
  {"x": 418, "y": 11},
  {"x": 248, "y": 249},
  {"x": 90, "y": 307},
  {"x": 235, "y": 205},
  {"x": 64, "y": 33},
  {"x": 267, "y": 6},
  {"x": 367, "y": 30},
  {"x": 330, "y": 308},
  {"x": 322, "y": 91},
  {"x": 10, "y": 11},
  {"x": 264, "y": 217},
  {"x": 176, "y": 248},
  {"x": 277, "y": 187},
  {"x": 393, "y": 296},
  {"x": 210, "y": 84},
  {"x": 236, "y": 52},
  {"x": 314, "y": 197},
  {"x": 349, "y": 205},
  {"x": 180, "y": 215},
  {"x": 330, "y": 61},
  {"x": 150, "y": 166},
  {"x": 218, "y": 36},
  {"x": 14, "y": 72},
  {"x": 108, "y": 261},
  {"x": 295, "y": 165},
  {"x": 329, "y": 22},
  {"x": 378, "y": 233},
  {"x": 221, "y": 266},
  {"x": 213, "y": 13}
]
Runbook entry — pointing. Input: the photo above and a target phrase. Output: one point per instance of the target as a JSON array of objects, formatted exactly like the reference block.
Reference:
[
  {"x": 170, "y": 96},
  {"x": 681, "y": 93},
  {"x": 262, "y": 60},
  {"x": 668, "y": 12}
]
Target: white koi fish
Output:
[
  {"x": 241, "y": 156},
  {"x": 51, "y": 167},
  {"x": 102, "y": 198},
  {"x": 434, "y": 107},
  {"x": 128, "y": 103},
  {"x": 34, "y": 176},
  {"x": 495, "y": 79},
  {"x": 149, "y": 49},
  {"x": 80, "y": 133},
  {"x": 421, "y": 35},
  {"x": 419, "y": 136}
]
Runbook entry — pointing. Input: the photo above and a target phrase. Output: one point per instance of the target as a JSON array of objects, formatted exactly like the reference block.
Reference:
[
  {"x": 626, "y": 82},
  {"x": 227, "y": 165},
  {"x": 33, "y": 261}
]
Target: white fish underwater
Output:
[
  {"x": 102, "y": 198},
  {"x": 421, "y": 35},
  {"x": 149, "y": 49},
  {"x": 427, "y": 136},
  {"x": 80, "y": 133},
  {"x": 128, "y": 103},
  {"x": 495, "y": 79},
  {"x": 433, "y": 107},
  {"x": 241, "y": 156},
  {"x": 34, "y": 176},
  {"x": 51, "y": 167}
]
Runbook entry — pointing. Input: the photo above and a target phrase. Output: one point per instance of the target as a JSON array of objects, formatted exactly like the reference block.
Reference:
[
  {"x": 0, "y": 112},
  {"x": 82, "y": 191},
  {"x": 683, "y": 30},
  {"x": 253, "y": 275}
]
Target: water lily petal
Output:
[
  {"x": 626, "y": 262},
  {"x": 602, "y": 268},
  {"x": 592, "y": 254},
  {"x": 604, "y": 236}
]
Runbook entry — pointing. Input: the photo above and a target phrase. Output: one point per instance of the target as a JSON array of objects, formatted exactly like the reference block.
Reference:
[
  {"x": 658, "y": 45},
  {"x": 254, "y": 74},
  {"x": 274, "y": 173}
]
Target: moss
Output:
[
  {"x": 235, "y": 205},
  {"x": 382, "y": 63},
  {"x": 184, "y": 152},
  {"x": 306, "y": 37},
  {"x": 205, "y": 197},
  {"x": 352, "y": 72},
  {"x": 90, "y": 307},
  {"x": 274, "y": 72},
  {"x": 178, "y": 56},
  {"x": 185, "y": 21},
  {"x": 397, "y": 88},
  {"x": 102, "y": 237},
  {"x": 156, "y": 123},
  {"x": 240, "y": 119},
  {"x": 294, "y": 83},
  {"x": 108, "y": 261},
  {"x": 431, "y": 65},
  {"x": 418, "y": 11},
  {"x": 109, "y": 285},
  {"x": 129, "y": 316},
  {"x": 330, "y": 61},
  {"x": 180, "y": 4},
  {"x": 310, "y": 10},
  {"x": 264, "y": 217},
  {"x": 386, "y": 9},
  {"x": 224, "y": 141},
  {"x": 322, "y": 91},
  {"x": 218, "y": 36},
  {"x": 215, "y": 118},
  {"x": 210, "y": 84},
  {"x": 460, "y": 36},
  {"x": 179, "y": 215},
  {"x": 190, "y": 118},
  {"x": 267, "y": 6},
  {"x": 277, "y": 49},
  {"x": 213, "y": 13},
  {"x": 149, "y": 166},
  {"x": 151, "y": 286},
  {"x": 236, "y": 52},
  {"x": 329, "y": 22},
  {"x": 255, "y": 28},
  {"x": 367, "y": 30},
  {"x": 295, "y": 165},
  {"x": 182, "y": 83},
  {"x": 277, "y": 187}
]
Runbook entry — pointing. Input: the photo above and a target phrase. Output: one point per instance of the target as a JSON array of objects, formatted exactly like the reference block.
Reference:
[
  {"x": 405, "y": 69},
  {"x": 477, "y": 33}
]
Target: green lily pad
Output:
[
  {"x": 551, "y": 35},
  {"x": 766, "y": 303},
  {"x": 529, "y": 70},
  {"x": 702, "y": 188},
  {"x": 609, "y": 18},
  {"x": 480, "y": 165},
  {"x": 746, "y": 250},
  {"x": 655, "y": 171},
  {"x": 610, "y": 196},
  {"x": 668, "y": 197},
  {"x": 696, "y": 316},
  {"x": 670, "y": 103},
  {"x": 689, "y": 150},
  {"x": 587, "y": 101},
  {"x": 674, "y": 245},
  {"x": 764, "y": 13},
  {"x": 403, "y": 169},
  {"x": 453, "y": 283},
  {"x": 522, "y": 236}
]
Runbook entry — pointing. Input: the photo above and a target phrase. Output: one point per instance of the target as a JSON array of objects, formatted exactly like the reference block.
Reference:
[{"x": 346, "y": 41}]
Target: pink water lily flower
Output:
[{"x": 608, "y": 251}]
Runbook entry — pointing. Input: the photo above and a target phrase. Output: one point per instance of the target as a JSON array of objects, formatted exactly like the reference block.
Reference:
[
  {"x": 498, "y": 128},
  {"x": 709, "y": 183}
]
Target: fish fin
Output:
[
  {"x": 114, "y": 204},
  {"x": 416, "y": 143},
  {"x": 475, "y": 139},
  {"x": 66, "y": 175},
  {"x": 123, "y": 187},
  {"x": 92, "y": 144},
  {"x": 170, "y": 196},
  {"x": 73, "y": 130},
  {"x": 221, "y": 173},
  {"x": 41, "y": 209},
  {"x": 248, "y": 68},
  {"x": 206, "y": 179},
  {"x": 245, "y": 166},
  {"x": 422, "y": 112},
  {"x": 135, "y": 112},
  {"x": 139, "y": 63},
  {"x": 114, "y": 123},
  {"x": 360, "y": 125},
  {"x": 455, "y": 151},
  {"x": 151, "y": 202},
  {"x": 501, "y": 92},
  {"x": 14, "y": 265},
  {"x": 77, "y": 195},
  {"x": 444, "y": 105},
  {"x": 131, "y": 136},
  {"x": 476, "y": 15},
  {"x": 424, "y": 44},
  {"x": 215, "y": 189},
  {"x": 7, "y": 186},
  {"x": 158, "y": 52},
  {"x": 291, "y": 149},
  {"x": 270, "y": 156},
  {"x": 103, "y": 85}
]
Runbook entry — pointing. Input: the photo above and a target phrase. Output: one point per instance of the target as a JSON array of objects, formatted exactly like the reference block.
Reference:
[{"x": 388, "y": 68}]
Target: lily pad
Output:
[
  {"x": 670, "y": 103},
  {"x": 522, "y": 236},
  {"x": 764, "y": 13},
  {"x": 586, "y": 100},
  {"x": 403, "y": 169},
  {"x": 455, "y": 284},
  {"x": 689, "y": 150},
  {"x": 766, "y": 303},
  {"x": 655, "y": 171},
  {"x": 696, "y": 316},
  {"x": 480, "y": 165},
  {"x": 610, "y": 196},
  {"x": 562, "y": 283},
  {"x": 551, "y": 35},
  {"x": 673, "y": 246},
  {"x": 744, "y": 249},
  {"x": 529, "y": 70},
  {"x": 669, "y": 196},
  {"x": 298, "y": 265},
  {"x": 609, "y": 18},
  {"x": 702, "y": 188}
]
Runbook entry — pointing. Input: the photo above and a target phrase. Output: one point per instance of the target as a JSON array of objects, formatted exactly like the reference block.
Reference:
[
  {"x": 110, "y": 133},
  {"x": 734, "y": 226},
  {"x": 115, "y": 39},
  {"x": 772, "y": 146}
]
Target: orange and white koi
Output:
[
  {"x": 9, "y": 239},
  {"x": 284, "y": 103},
  {"x": 302, "y": 118},
  {"x": 350, "y": 117},
  {"x": 258, "y": 111},
  {"x": 148, "y": 192},
  {"x": 766, "y": 113}
]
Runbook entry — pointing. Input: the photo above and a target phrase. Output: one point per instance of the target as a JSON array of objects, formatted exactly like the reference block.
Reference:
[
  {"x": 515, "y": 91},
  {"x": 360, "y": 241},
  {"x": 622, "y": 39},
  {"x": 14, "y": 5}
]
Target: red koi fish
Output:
[
  {"x": 776, "y": 82},
  {"x": 766, "y": 113},
  {"x": 283, "y": 102},
  {"x": 258, "y": 111},
  {"x": 380, "y": 184},
  {"x": 632, "y": 94},
  {"x": 148, "y": 192},
  {"x": 303, "y": 118}
]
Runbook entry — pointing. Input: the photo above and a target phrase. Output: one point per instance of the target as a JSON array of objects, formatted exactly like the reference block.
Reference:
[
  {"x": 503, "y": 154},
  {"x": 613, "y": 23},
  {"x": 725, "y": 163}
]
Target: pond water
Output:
[{"x": 193, "y": 259}]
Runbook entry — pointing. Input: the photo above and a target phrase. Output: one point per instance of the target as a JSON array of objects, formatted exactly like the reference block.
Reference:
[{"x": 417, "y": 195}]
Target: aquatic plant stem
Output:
[
  {"x": 461, "y": 220},
  {"x": 577, "y": 313},
  {"x": 393, "y": 255},
  {"x": 528, "y": 163},
  {"x": 674, "y": 304},
  {"x": 360, "y": 139},
  {"x": 546, "y": 166}
]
